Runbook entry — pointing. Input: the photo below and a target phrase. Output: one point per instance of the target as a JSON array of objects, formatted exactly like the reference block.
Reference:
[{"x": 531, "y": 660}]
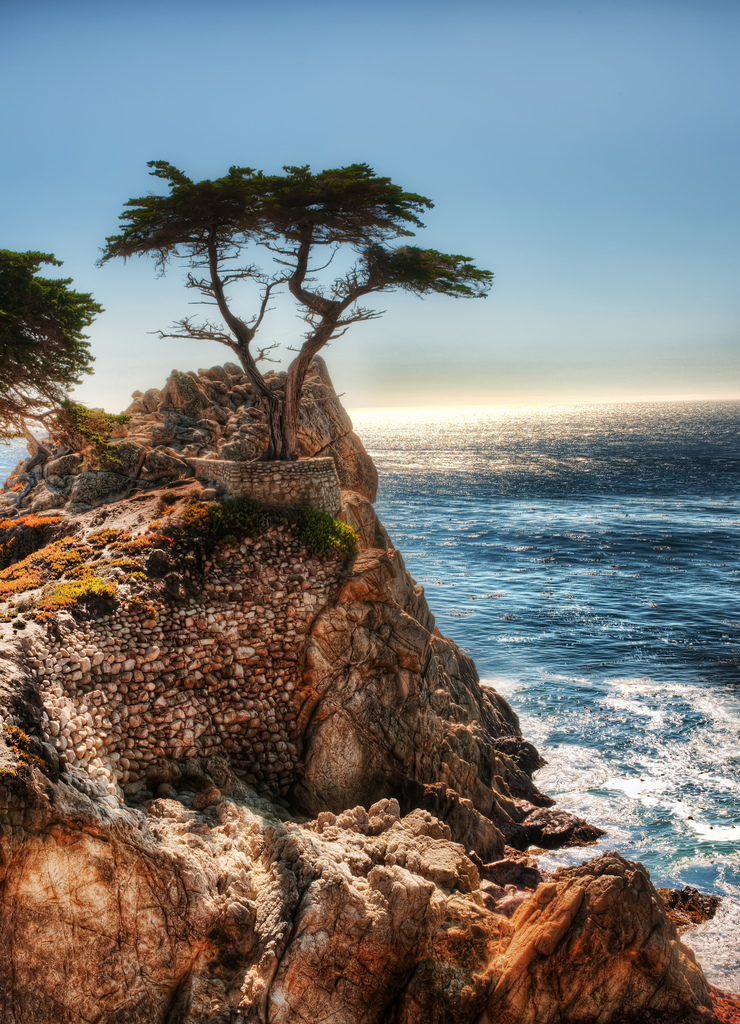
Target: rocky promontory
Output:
[{"x": 244, "y": 778}]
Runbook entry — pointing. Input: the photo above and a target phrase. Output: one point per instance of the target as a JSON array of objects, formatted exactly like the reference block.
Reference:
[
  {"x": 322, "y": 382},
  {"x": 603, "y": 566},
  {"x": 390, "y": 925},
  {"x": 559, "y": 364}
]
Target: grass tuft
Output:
[{"x": 20, "y": 745}]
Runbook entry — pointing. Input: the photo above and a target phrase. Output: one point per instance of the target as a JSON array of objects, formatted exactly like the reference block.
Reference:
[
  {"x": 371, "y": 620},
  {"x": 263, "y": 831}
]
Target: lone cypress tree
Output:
[{"x": 298, "y": 217}]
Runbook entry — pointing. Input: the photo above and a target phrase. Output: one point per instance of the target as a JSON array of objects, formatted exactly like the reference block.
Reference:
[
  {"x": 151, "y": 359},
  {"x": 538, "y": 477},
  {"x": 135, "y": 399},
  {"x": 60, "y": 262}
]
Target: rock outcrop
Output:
[
  {"x": 241, "y": 781},
  {"x": 239, "y": 913},
  {"x": 212, "y": 414}
]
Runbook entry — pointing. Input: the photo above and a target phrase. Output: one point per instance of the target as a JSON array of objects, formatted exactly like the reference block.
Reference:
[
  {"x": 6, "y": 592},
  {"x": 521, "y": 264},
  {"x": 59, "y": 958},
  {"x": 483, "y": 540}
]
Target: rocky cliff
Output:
[{"x": 244, "y": 778}]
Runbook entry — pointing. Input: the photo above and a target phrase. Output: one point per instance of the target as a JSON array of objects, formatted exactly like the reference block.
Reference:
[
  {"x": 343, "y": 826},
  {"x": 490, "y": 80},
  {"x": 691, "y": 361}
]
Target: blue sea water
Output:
[
  {"x": 586, "y": 557},
  {"x": 11, "y": 453}
]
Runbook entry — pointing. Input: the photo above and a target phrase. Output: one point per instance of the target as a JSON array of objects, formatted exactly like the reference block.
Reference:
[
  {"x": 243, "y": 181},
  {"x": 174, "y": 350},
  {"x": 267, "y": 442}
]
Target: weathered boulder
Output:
[
  {"x": 551, "y": 829},
  {"x": 183, "y": 391},
  {"x": 92, "y": 486},
  {"x": 48, "y": 494},
  {"x": 355, "y": 469},
  {"x": 325, "y": 429},
  {"x": 392, "y": 707},
  {"x": 64, "y": 465},
  {"x": 159, "y": 465},
  {"x": 130, "y": 455},
  {"x": 240, "y": 450},
  {"x": 594, "y": 944}
]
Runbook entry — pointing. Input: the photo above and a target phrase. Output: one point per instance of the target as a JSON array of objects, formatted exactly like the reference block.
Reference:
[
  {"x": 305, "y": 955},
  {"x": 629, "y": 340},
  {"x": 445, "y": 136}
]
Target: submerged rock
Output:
[{"x": 688, "y": 906}]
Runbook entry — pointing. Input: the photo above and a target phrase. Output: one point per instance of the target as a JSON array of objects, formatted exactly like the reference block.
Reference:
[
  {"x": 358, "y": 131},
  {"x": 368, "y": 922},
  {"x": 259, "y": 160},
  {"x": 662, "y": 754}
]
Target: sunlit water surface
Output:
[{"x": 586, "y": 558}]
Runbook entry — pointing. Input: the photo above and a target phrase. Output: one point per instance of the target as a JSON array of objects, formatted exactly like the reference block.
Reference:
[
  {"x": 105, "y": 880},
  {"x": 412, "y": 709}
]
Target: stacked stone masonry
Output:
[
  {"x": 220, "y": 675},
  {"x": 311, "y": 482}
]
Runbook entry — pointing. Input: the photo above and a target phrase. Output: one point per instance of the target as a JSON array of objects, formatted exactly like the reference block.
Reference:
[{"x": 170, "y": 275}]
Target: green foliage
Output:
[
  {"x": 36, "y": 569},
  {"x": 37, "y": 523},
  {"x": 101, "y": 538},
  {"x": 128, "y": 564},
  {"x": 425, "y": 270},
  {"x": 142, "y": 607},
  {"x": 220, "y": 518},
  {"x": 228, "y": 520},
  {"x": 43, "y": 350},
  {"x": 72, "y": 593},
  {"x": 347, "y": 204},
  {"x": 138, "y": 544},
  {"x": 326, "y": 536},
  {"x": 78, "y": 426}
]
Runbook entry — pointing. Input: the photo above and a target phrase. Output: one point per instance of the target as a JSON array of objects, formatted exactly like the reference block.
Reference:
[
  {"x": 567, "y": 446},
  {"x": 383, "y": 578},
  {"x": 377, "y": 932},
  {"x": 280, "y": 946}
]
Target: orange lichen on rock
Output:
[{"x": 33, "y": 521}]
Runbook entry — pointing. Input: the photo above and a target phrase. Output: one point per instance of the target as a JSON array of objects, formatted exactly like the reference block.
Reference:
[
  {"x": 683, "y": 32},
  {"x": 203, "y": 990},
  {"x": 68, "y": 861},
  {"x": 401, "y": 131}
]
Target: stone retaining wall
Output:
[
  {"x": 220, "y": 674},
  {"x": 311, "y": 482}
]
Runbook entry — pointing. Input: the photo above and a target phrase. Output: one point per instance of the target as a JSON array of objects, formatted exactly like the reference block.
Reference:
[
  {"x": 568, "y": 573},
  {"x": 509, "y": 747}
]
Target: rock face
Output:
[
  {"x": 247, "y": 783},
  {"x": 234, "y": 913}
]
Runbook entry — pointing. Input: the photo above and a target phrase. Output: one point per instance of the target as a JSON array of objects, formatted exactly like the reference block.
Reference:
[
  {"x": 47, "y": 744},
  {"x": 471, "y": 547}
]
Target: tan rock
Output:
[{"x": 595, "y": 944}]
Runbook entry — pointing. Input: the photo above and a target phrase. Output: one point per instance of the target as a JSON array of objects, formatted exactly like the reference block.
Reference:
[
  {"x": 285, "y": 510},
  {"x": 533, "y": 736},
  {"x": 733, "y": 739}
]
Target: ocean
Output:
[{"x": 586, "y": 557}]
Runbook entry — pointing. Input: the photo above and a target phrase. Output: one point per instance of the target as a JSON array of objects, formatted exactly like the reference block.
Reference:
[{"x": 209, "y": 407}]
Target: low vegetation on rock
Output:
[{"x": 325, "y": 535}]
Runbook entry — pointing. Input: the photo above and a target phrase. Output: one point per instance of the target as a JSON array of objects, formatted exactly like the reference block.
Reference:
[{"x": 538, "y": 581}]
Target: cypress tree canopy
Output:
[
  {"x": 299, "y": 220},
  {"x": 43, "y": 350}
]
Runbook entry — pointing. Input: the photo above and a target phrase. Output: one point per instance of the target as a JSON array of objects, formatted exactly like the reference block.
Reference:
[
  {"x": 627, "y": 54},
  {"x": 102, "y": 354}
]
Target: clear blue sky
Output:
[{"x": 588, "y": 153}]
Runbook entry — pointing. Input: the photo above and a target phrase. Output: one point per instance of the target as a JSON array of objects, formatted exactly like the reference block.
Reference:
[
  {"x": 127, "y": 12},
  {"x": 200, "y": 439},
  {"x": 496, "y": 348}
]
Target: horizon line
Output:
[{"x": 673, "y": 399}]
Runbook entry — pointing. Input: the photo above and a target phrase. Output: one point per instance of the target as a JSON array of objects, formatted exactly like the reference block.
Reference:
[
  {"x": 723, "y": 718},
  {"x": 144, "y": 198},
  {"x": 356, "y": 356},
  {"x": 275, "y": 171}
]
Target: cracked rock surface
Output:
[{"x": 239, "y": 913}]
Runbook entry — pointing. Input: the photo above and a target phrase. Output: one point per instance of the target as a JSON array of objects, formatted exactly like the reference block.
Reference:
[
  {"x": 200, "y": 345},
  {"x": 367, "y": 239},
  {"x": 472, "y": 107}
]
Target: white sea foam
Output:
[{"x": 715, "y": 944}]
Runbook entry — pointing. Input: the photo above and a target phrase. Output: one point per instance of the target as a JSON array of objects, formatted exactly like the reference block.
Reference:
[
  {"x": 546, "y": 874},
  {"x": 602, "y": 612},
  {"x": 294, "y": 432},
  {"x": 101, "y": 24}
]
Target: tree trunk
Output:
[
  {"x": 297, "y": 372},
  {"x": 269, "y": 401},
  {"x": 38, "y": 451},
  {"x": 244, "y": 334}
]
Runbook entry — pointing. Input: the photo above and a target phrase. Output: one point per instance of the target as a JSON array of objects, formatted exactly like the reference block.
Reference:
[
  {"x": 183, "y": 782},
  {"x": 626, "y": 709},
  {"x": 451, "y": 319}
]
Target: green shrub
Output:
[
  {"x": 20, "y": 744},
  {"x": 101, "y": 538},
  {"x": 77, "y": 424},
  {"x": 143, "y": 543},
  {"x": 55, "y": 559},
  {"x": 37, "y": 523},
  {"x": 232, "y": 516},
  {"x": 324, "y": 535}
]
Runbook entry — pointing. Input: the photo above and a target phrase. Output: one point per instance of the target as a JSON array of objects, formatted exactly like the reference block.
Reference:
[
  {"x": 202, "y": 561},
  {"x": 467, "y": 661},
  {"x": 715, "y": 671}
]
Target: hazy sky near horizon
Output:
[{"x": 586, "y": 152}]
